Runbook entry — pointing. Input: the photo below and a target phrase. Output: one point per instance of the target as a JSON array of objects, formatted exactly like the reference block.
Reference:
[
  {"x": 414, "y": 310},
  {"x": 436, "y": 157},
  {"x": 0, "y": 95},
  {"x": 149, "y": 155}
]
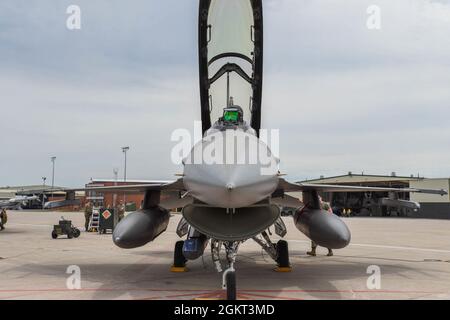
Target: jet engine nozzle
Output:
[
  {"x": 324, "y": 228},
  {"x": 140, "y": 227}
]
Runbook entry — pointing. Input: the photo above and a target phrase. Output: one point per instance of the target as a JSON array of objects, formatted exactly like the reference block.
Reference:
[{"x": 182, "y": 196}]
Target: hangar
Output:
[
  {"x": 53, "y": 197},
  {"x": 9, "y": 192},
  {"x": 371, "y": 204}
]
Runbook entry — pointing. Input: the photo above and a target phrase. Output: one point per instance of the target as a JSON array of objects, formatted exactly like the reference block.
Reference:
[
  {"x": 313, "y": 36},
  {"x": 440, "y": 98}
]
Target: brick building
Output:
[{"x": 111, "y": 199}]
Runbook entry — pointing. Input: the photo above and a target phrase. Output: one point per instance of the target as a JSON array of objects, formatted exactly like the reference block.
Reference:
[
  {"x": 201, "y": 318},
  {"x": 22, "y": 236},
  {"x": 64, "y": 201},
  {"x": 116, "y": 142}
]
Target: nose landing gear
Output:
[
  {"x": 278, "y": 252},
  {"x": 229, "y": 275}
]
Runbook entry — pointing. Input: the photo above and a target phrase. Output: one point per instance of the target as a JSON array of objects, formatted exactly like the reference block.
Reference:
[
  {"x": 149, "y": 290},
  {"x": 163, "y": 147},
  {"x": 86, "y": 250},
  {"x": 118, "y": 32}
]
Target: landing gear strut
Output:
[
  {"x": 229, "y": 275},
  {"x": 279, "y": 252}
]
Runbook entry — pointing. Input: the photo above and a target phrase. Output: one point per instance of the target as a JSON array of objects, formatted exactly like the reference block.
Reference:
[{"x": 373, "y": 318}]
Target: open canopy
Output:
[{"x": 230, "y": 53}]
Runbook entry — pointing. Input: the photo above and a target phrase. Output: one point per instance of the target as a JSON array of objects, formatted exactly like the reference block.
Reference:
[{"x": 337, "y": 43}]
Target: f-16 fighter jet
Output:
[{"x": 231, "y": 190}]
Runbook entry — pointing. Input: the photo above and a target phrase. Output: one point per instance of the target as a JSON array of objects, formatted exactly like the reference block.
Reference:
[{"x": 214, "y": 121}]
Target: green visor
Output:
[{"x": 231, "y": 116}]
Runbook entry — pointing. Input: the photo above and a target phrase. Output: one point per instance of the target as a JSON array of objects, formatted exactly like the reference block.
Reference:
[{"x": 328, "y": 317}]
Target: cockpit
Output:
[{"x": 230, "y": 52}]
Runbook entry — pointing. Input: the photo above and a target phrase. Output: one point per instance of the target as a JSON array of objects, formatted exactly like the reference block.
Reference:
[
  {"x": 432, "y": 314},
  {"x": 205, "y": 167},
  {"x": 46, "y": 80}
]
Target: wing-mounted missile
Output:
[
  {"x": 141, "y": 227},
  {"x": 324, "y": 228}
]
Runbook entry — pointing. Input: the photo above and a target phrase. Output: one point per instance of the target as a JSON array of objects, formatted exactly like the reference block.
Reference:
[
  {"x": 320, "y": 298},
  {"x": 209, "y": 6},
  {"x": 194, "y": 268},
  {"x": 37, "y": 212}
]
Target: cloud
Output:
[{"x": 351, "y": 99}]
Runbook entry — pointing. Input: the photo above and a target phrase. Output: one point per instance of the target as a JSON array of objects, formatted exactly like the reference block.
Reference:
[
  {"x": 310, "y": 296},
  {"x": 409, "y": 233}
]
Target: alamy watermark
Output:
[
  {"x": 73, "y": 21},
  {"x": 73, "y": 282},
  {"x": 374, "y": 19},
  {"x": 374, "y": 280},
  {"x": 229, "y": 147}
]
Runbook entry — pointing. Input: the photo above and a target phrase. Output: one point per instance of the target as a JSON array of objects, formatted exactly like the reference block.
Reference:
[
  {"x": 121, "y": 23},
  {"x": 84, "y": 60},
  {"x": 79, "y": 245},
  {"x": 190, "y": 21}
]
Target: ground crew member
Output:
[
  {"x": 3, "y": 219},
  {"x": 347, "y": 213},
  {"x": 325, "y": 206},
  {"x": 121, "y": 210},
  {"x": 87, "y": 215}
]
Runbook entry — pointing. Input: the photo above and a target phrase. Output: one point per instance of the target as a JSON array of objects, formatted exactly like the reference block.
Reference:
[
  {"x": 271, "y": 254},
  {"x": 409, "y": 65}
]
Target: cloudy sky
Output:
[{"x": 344, "y": 97}]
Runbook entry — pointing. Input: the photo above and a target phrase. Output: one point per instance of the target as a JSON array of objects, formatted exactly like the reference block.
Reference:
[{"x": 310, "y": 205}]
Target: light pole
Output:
[
  {"x": 116, "y": 174},
  {"x": 115, "y": 208},
  {"x": 43, "y": 192},
  {"x": 125, "y": 150},
  {"x": 53, "y": 173}
]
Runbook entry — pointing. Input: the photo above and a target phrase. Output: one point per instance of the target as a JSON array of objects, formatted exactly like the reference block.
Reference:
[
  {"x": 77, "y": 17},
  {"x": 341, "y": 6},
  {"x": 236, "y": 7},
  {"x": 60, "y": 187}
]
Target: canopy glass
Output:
[{"x": 230, "y": 55}]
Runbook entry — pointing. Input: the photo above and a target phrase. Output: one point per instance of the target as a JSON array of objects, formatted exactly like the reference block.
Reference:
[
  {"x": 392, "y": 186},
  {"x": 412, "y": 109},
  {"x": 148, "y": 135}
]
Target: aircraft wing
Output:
[
  {"x": 287, "y": 201},
  {"x": 152, "y": 186},
  {"x": 292, "y": 187},
  {"x": 171, "y": 192}
]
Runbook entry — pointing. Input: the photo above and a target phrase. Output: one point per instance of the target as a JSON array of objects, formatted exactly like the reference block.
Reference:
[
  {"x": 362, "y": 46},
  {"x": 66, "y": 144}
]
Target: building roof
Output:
[
  {"x": 362, "y": 178},
  {"x": 128, "y": 181},
  {"x": 29, "y": 189}
]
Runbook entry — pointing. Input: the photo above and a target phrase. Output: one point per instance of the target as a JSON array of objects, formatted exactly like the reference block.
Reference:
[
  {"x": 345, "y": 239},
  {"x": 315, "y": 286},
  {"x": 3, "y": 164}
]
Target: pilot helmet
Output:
[{"x": 233, "y": 115}]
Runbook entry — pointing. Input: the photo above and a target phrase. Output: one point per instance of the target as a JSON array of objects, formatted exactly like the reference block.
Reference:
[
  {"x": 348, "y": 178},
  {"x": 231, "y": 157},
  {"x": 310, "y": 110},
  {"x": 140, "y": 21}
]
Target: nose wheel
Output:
[{"x": 229, "y": 283}]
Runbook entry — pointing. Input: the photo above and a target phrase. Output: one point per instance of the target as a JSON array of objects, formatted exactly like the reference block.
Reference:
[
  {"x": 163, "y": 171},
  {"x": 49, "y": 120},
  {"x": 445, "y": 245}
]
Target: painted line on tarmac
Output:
[
  {"x": 206, "y": 292},
  {"x": 340, "y": 291},
  {"x": 383, "y": 247},
  {"x": 265, "y": 296},
  {"x": 198, "y": 291}
]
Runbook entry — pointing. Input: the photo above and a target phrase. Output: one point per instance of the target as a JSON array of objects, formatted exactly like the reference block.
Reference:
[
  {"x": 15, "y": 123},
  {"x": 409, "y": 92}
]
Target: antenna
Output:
[{"x": 228, "y": 88}]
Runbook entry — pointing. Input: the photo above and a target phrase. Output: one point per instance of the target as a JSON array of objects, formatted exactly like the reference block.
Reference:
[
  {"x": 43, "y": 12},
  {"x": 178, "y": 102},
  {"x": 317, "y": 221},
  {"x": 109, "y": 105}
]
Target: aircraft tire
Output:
[
  {"x": 179, "y": 261},
  {"x": 230, "y": 279},
  {"x": 283, "y": 254}
]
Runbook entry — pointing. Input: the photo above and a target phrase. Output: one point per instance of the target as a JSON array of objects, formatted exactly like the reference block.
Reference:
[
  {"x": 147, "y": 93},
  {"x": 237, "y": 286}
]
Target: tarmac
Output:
[{"x": 411, "y": 255}]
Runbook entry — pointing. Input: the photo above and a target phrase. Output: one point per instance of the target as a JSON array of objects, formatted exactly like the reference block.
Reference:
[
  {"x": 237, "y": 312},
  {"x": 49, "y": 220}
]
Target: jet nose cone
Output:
[{"x": 237, "y": 176}]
